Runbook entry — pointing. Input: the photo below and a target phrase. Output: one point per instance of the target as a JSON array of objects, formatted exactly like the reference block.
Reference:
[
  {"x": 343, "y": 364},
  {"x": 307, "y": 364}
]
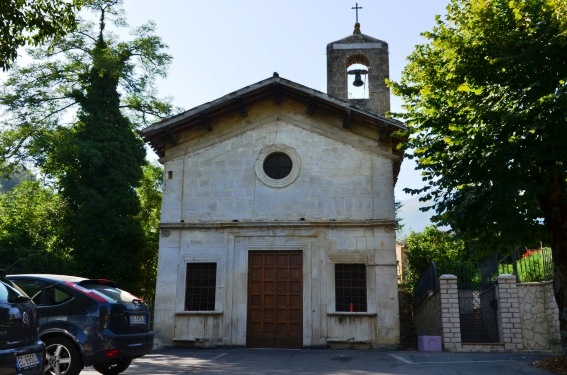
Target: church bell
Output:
[{"x": 358, "y": 76}]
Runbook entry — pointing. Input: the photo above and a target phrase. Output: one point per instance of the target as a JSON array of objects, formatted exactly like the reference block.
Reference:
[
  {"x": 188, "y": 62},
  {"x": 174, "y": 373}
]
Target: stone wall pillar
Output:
[
  {"x": 509, "y": 323},
  {"x": 450, "y": 319}
]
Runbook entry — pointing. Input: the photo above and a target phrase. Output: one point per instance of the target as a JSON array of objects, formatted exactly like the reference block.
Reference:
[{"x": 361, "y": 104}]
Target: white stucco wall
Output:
[
  {"x": 336, "y": 181},
  {"x": 321, "y": 247},
  {"x": 340, "y": 209}
]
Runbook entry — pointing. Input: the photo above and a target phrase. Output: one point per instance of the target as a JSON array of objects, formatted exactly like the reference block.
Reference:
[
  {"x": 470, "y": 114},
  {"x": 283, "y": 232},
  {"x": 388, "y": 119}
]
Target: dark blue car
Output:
[
  {"x": 86, "y": 322},
  {"x": 21, "y": 350}
]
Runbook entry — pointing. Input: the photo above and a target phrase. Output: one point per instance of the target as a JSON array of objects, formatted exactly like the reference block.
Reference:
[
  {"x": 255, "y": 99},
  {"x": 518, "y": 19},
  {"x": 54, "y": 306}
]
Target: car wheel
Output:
[
  {"x": 62, "y": 357},
  {"x": 114, "y": 367}
]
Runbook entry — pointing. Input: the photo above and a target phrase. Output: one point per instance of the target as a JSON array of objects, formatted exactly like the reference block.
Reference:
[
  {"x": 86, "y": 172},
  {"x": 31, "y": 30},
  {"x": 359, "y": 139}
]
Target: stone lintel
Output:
[{"x": 356, "y": 45}]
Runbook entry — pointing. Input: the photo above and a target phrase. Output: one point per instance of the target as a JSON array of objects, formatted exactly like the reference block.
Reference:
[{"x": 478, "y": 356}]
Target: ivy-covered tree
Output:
[
  {"x": 98, "y": 173},
  {"x": 73, "y": 113},
  {"x": 32, "y": 22},
  {"x": 486, "y": 106}
]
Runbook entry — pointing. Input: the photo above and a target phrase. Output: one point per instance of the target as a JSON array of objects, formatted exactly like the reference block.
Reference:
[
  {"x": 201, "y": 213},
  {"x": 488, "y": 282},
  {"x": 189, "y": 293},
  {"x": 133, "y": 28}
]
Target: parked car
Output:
[
  {"x": 21, "y": 350},
  {"x": 86, "y": 322}
]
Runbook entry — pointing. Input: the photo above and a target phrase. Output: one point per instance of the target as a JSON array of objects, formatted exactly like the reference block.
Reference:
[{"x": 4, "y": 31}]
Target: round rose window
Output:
[{"x": 277, "y": 165}]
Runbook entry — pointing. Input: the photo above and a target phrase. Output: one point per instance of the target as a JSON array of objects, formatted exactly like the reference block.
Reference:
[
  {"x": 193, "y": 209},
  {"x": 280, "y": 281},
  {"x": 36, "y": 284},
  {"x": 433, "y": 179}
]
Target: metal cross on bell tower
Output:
[{"x": 356, "y": 8}]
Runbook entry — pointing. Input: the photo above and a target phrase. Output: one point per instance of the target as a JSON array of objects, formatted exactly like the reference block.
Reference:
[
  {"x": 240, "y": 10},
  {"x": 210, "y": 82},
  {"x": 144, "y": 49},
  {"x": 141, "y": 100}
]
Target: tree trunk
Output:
[
  {"x": 554, "y": 206},
  {"x": 560, "y": 289}
]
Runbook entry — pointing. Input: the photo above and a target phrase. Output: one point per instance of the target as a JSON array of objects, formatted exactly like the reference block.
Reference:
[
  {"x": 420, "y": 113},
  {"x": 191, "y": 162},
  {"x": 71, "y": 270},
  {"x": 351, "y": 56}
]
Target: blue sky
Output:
[{"x": 219, "y": 46}]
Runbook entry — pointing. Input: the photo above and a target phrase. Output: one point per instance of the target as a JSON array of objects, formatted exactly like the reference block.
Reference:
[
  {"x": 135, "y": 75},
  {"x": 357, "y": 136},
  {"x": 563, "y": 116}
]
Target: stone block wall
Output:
[
  {"x": 527, "y": 317},
  {"x": 539, "y": 316}
]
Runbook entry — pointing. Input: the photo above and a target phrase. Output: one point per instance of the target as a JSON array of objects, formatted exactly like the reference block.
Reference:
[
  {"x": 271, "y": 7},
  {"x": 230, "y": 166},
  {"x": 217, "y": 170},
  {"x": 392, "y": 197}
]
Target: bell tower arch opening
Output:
[{"x": 357, "y": 69}]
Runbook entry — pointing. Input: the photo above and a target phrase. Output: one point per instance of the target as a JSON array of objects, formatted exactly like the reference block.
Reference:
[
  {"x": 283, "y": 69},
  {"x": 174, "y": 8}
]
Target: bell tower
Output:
[{"x": 357, "y": 67}]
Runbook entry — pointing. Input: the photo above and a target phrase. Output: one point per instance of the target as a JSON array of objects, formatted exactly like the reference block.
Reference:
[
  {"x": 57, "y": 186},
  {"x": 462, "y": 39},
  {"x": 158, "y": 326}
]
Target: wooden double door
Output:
[{"x": 275, "y": 299}]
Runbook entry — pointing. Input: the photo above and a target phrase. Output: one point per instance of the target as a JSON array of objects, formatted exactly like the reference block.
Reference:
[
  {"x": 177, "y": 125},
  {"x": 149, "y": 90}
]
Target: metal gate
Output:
[{"x": 477, "y": 310}]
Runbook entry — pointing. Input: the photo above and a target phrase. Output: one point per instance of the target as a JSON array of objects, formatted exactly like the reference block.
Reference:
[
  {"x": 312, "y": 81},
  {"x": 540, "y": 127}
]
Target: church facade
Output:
[{"x": 277, "y": 225}]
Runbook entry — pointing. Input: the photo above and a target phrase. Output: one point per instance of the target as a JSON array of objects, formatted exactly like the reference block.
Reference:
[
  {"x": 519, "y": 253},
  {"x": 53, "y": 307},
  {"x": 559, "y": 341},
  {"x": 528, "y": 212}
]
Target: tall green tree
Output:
[
  {"x": 98, "y": 172},
  {"x": 486, "y": 105},
  {"x": 73, "y": 114},
  {"x": 433, "y": 245},
  {"x": 33, "y": 22}
]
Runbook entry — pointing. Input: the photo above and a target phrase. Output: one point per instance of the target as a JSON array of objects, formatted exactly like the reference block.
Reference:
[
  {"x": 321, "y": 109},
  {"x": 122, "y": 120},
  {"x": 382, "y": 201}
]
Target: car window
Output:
[
  {"x": 10, "y": 292},
  {"x": 44, "y": 294},
  {"x": 32, "y": 289},
  {"x": 58, "y": 295},
  {"x": 3, "y": 292},
  {"x": 115, "y": 295}
]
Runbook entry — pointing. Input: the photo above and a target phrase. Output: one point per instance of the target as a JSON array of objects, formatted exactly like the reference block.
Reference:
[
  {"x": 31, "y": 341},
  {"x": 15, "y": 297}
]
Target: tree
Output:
[
  {"x": 399, "y": 225},
  {"x": 486, "y": 105},
  {"x": 433, "y": 245},
  {"x": 98, "y": 171},
  {"x": 33, "y": 22},
  {"x": 73, "y": 115},
  {"x": 40, "y": 100},
  {"x": 29, "y": 227},
  {"x": 150, "y": 192}
]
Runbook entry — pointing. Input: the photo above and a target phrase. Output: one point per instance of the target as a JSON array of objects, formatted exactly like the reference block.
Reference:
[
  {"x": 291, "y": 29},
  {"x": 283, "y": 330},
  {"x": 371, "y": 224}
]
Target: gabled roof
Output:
[
  {"x": 357, "y": 37},
  {"x": 162, "y": 134}
]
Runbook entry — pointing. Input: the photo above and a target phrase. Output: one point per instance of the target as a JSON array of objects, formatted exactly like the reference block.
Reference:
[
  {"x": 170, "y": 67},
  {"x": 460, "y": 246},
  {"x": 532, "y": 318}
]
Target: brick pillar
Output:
[
  {"x": 450, "y": 319},
  {"x": 509, "y": 324}
]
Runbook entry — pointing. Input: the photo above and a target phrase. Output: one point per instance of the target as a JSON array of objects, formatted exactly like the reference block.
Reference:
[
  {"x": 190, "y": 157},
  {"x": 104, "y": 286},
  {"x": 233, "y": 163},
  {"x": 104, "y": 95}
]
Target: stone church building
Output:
[{"x": 277, "y": 224}]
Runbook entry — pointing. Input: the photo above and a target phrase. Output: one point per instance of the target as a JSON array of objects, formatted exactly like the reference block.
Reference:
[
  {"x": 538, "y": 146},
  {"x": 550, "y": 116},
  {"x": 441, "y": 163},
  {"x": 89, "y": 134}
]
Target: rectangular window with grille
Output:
[
  {"x": 200, "y": 287},
  {"x": 350, "y": 287}
]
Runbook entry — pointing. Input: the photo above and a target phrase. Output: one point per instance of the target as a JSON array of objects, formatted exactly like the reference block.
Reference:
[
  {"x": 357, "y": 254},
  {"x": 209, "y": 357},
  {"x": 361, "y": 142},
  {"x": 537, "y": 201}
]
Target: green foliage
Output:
[
  {"x": 98, "y": 173},
  {"x": 532, "y": 266},
  {"x": 485, "y": 102},
  {"x": 149, "y": 193},
  {"x": 433, "y": 245},
  {"x": 30, "y": 215},
  {"x": 73, "y": 114},
  {"x": 399, "y": 225},
  {"x": 33, "y": 22},
  {"x": 40, "y": 100}
]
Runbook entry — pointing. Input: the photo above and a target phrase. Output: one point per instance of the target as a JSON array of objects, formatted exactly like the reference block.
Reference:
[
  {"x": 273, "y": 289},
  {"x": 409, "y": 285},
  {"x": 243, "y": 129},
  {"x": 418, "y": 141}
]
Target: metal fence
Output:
[
  {"x": 428, "y": 283},
  {"x": 528, "y": 265}
]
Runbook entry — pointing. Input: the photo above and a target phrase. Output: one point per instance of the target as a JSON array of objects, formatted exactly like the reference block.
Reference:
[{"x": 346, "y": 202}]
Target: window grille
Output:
[
  {"x": 350, "y": 287},
  {"x": 278, "y": 165},
  {"x": 200, "y": 287}
]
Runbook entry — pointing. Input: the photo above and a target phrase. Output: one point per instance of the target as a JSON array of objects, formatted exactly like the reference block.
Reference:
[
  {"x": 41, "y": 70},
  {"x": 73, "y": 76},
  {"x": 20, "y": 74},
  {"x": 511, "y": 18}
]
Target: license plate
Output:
[
  {"x": 27, "y": 360},
  {"x": 137, "y": 319}
]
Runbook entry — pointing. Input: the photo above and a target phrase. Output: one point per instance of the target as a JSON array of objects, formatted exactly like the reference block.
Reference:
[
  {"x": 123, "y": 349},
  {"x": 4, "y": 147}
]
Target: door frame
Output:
[{"x": 235, "y": 321}]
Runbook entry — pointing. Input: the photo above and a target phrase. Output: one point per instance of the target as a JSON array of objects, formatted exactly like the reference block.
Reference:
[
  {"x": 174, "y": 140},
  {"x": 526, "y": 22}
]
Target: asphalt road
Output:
[{"x": 335, "y": 362}]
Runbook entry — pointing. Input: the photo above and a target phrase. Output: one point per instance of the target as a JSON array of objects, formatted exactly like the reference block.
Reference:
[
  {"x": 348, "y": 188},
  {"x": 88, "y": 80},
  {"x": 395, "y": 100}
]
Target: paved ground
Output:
[{"x": 335, "y": 362}]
